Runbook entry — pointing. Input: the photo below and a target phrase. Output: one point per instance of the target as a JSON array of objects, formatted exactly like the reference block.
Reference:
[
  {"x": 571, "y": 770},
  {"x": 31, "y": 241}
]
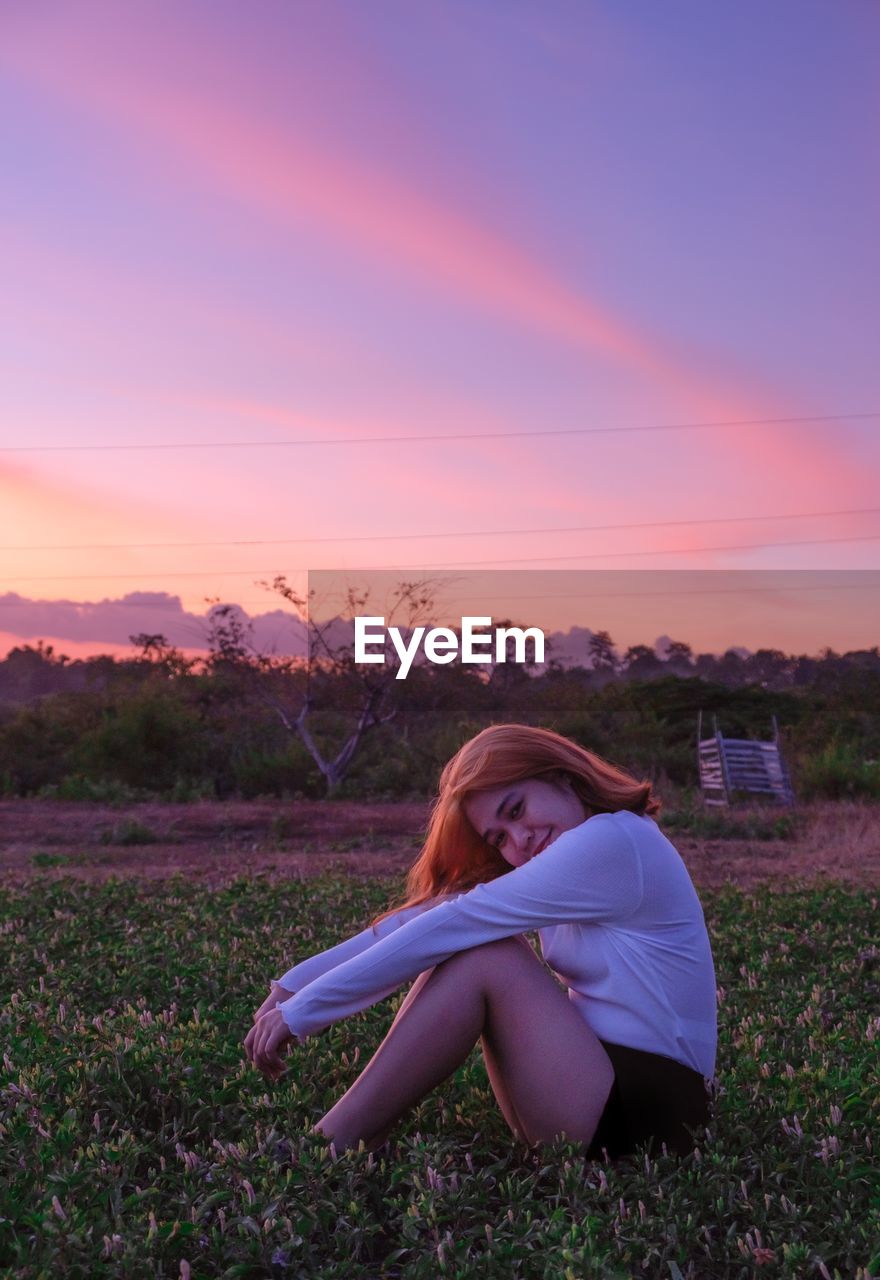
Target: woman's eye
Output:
[
  {"x": 499, "y": 840},
  {"x": 516, "y": 810}
]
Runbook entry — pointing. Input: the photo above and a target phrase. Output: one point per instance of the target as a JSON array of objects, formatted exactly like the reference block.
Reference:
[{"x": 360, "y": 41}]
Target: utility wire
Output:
[
  {"x": 586, "y": 555},
  {"x": 663, "y": 551},
  {"x": 456, "y": 533},
  {"x": 426, "y": 439},
  {"x": 676, "y": 591}
]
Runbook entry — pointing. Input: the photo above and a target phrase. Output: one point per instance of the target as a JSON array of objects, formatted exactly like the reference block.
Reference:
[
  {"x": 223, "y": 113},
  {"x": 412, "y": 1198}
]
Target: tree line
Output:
[{"x": 242, "y": 723}]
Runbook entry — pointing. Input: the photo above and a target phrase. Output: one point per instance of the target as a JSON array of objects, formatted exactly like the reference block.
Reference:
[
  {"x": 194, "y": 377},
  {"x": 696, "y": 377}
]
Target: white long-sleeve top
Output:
[{"x": 620, "y": 925}]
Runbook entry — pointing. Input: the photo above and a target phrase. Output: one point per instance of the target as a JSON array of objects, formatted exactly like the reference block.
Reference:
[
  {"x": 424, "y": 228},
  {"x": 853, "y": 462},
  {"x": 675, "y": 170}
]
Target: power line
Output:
[
  {"x": 663, "y": 551},
  {"x": 457, "y": 533},
  {"x": 586, "y": 555},
  {"x": 433, "y": 439},
  {"x": 676, "y": 591},
  {"x": 693, "y": 591}
]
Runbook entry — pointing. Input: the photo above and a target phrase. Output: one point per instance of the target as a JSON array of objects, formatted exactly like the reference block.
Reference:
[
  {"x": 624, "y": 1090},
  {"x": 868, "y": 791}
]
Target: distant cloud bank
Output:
[{"x": 115, "y": 621}]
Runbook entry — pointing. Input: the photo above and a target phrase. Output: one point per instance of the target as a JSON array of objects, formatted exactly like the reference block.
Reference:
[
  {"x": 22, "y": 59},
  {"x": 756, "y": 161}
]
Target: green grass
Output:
[
  {"x": 43, "y": 859},
  {"x": 728, "y": 824},
  {"x": 134, "y": 1138}
]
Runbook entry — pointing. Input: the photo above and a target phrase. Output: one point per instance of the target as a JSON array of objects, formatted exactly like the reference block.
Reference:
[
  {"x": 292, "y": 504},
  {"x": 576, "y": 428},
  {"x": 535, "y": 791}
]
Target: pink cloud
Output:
[
  {"x": 297, "y": 183},
  {"x": 203, "y": 139}
]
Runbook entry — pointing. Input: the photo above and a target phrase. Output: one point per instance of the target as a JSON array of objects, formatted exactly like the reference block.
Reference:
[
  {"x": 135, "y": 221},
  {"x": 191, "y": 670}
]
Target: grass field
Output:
[{"x": 136, "y": 1141}]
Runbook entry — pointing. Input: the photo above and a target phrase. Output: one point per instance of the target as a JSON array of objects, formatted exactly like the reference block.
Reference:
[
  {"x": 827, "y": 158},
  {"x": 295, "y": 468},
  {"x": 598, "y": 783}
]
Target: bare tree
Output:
[{"x": 299, "y": 690}]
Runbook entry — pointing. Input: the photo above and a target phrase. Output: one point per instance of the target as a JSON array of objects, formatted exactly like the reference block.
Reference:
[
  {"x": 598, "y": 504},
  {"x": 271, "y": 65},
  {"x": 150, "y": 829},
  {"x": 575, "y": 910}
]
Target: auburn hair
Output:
[{"x": 455, "y": 857}]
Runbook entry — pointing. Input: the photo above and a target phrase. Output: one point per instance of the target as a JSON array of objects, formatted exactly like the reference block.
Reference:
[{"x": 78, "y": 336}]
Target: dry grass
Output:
[
  {"x": 838, "y": 841},
  {"x": 214, "y": 842},
  {"x": 207, "y": 841}
]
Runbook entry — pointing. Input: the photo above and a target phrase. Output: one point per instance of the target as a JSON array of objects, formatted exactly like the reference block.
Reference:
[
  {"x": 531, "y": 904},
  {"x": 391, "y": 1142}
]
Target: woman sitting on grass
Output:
[{"x": 529, "y": 831}]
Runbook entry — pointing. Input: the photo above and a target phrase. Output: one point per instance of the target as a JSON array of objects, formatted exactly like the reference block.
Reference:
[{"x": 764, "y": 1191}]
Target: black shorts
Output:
[{"x": 653, "y": 1099}]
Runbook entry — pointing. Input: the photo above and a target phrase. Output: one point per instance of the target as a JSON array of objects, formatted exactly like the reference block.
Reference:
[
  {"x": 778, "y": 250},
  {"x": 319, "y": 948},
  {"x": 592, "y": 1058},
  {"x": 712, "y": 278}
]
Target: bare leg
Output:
[{"x": 547, "y": 1067}]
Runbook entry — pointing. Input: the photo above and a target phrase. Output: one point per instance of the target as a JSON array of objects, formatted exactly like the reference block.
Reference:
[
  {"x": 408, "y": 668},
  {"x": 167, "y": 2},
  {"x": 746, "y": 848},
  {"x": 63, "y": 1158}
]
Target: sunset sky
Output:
[{"x": 457, "y": 283}]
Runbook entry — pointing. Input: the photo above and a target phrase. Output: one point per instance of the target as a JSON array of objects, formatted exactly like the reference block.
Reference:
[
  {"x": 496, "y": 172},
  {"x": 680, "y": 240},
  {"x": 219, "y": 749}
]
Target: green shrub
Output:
[
  {"x": 149, "y": 740},
  {"x": 384, "y": 773},
  {"x": 93, "y": 791},
  {"x": 185, "y": 791},
  {"x": 38, "y": 742},
  {"x": 838, "y": 772},
  {"x": 281, "y": 771}
]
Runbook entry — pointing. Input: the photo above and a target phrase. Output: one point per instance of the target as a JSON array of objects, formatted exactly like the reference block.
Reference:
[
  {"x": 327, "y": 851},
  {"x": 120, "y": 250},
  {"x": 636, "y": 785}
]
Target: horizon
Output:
[{"x": 770, "y": 610}]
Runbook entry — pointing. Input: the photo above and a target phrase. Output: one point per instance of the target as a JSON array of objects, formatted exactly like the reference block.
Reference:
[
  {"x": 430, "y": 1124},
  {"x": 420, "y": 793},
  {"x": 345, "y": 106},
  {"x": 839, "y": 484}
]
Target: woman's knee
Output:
[{"x": 488, "y": 955}]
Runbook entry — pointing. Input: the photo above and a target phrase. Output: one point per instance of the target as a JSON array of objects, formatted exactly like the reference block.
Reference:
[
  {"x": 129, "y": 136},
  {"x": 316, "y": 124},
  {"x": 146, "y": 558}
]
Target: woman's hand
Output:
[
  {"x": 264, "y": 1041},
  {"x": 277, "y": 993}
]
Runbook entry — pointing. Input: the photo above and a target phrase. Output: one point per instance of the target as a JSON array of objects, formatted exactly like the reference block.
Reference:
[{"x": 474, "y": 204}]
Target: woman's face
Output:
[{"x": 522, "y": 818}]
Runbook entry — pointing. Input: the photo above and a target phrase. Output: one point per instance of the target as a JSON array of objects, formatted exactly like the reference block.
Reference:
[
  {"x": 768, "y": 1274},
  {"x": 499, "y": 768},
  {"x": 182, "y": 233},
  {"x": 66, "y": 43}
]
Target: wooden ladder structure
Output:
[{"x": 730, "y": 765}]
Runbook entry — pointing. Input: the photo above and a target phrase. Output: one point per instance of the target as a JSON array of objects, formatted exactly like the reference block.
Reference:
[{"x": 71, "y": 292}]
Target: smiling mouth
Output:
[{"x": 543, "y": 845}]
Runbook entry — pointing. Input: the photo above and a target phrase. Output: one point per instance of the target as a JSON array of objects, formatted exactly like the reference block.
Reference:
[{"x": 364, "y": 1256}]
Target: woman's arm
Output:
[
  {"x": 589, "y": 874},
  {"x": 308, "y": 970}
]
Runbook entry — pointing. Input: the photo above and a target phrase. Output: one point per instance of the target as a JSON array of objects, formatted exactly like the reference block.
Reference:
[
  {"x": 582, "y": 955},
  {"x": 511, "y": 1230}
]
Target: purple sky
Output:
[{"x": 232, "y": 226}]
